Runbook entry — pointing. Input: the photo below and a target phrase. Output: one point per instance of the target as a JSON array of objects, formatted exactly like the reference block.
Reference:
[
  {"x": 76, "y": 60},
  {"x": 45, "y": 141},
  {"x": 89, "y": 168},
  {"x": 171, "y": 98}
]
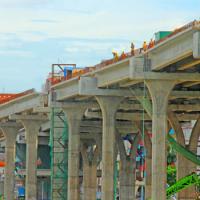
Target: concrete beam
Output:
[
  {"x": 187, "y": 108},
  {"x": 46, "y": 126},
  {"x": 113, "y": 73},
  {"x": 119, "y": 124},
  {"x": 174, "y": 107},
  {"x": 109, "y": 78},
  {"x": 189, "y": 65},
  {"x": 184, "y": 94},
  {"x": 66, "y": 89},
  {"x": 21, "y": 104},
  {"x": 96, "y": 127},
  {"x": 88, "y": 86},
  {"x": 41, "y": 110},
  {"x": 173, "y": 95},
  {"x": 136, "y": 106},
  {"x": 138, "y": 116},
  {"x": 89, "y": 136},
  {"x": 123, "y": 130},
  {"x": 196, "y": 45},
  {"x": 190, "y": 84},
  {"x": 28, "y": 117},
  {"x": 172, "y": 50},
  {"x": 69, "y": 104},
  {"x": 10, "y": 124},
  {"x": 179, "y": 77},
  {"x": 40, "y": 172},
  {"x": 47, "y": 172}
]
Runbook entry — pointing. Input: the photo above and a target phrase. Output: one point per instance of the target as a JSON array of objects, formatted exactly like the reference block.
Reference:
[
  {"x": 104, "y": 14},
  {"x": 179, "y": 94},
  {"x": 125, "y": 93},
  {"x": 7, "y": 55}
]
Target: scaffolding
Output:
[{"x": 59, "y": 154}]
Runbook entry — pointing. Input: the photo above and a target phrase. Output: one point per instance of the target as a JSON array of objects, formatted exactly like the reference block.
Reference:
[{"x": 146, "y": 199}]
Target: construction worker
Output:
[
  {"x": 115, "y": 56},
  {"x": 123, "y": 56},
  {"x": 132, "y": 49},
  {"x": 151, "y": 44},
  {"x": 144, "y": 46}
]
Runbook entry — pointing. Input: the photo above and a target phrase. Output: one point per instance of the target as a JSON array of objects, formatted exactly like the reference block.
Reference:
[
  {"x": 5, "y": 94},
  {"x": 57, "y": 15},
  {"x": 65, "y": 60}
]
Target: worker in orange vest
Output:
[
  {"x": 123, "y": 56},
  {"x": 132, "y": 49},
  {"x": 144, "y": 46},
  {"x": 151, "y": 44},
  {"x": 115, "y": 56}
]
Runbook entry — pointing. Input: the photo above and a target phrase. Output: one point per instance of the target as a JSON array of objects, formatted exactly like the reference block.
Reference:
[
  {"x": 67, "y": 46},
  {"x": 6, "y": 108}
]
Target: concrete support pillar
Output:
[
  {"x": 10, "y": 132},
  {"x": 186, "y": 167},
  {"x": 148, "y": 161},
  {"x": 74, "y": 114},
  {"x": 148, "y": 177},
  {"x": 127, "y": 180},
  {"x": 174, "y": 122},
  {"x": 109, "y": 107},
  {"x": 31, "y": 128},
  {"x": 89, "y": 172},
  {"x": 196, "y": 45},
  {"x": 127, "y": 176},
  {"x": 159, "y": 90}
]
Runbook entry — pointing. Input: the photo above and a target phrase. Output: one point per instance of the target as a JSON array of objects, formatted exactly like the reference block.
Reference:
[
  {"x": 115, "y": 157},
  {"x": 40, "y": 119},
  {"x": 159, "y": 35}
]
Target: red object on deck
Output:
[
  {"x": 8, "y": 97},
  {"x": 2, "y": 164}
]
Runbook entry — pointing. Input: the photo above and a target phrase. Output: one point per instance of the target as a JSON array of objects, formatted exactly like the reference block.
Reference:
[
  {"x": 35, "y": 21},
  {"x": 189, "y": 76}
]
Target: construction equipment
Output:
[
  {"x": 192, "y": 179},
  {"x": 59, "y": 154}
]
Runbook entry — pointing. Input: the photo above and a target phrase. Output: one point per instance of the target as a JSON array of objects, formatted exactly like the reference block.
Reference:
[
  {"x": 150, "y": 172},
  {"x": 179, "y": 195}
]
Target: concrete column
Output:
[
  {"x": 186, "y": 167},
  {"x": 148, "y": 177},
  {"x": 127, "y": 180},
  {"x": 31, "y": 134},
  {"x": 174, "y": 122},
  {"x": 127, "y": 171},
  {"x": 196, "y": 45},
  {"x": 74, "y": 114},
  {"x": 10, "y": 132},
  {"x": 89, "y": 172},
  {"x": 159, "y": 90},
  {"x": 148, "y": 147},
  {"x": 109, "y": 107},
  {"x": 148, "y": 160}
]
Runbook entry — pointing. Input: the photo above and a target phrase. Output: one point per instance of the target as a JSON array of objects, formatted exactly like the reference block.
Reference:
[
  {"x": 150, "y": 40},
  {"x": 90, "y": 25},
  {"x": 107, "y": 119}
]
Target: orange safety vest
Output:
[
  {"x": 144, "y": 46},
  {"x": 2, "y": 164}
]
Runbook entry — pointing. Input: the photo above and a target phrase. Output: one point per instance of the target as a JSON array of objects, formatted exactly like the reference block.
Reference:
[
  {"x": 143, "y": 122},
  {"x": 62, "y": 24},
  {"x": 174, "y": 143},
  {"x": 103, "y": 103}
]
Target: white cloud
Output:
[
  {"x": 98, "y": 47},
  {"x": 133, "y": 24}
]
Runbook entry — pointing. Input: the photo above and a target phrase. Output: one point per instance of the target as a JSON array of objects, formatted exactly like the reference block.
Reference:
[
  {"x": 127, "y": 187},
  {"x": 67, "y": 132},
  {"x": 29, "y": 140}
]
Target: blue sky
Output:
[{"x": 36, "y": 33}]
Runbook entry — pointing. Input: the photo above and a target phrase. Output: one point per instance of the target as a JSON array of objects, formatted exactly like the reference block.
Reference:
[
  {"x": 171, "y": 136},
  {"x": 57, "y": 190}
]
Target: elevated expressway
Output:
[
  {"x": 168, "y": 73},
  {"x": 16, "y": 115},
  {"x": 105, "y": 100}
]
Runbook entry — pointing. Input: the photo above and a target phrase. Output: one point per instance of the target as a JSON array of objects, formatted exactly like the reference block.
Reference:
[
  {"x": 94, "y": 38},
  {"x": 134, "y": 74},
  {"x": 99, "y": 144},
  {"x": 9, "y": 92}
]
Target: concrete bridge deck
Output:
[{"x": 105, "y": 101}]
